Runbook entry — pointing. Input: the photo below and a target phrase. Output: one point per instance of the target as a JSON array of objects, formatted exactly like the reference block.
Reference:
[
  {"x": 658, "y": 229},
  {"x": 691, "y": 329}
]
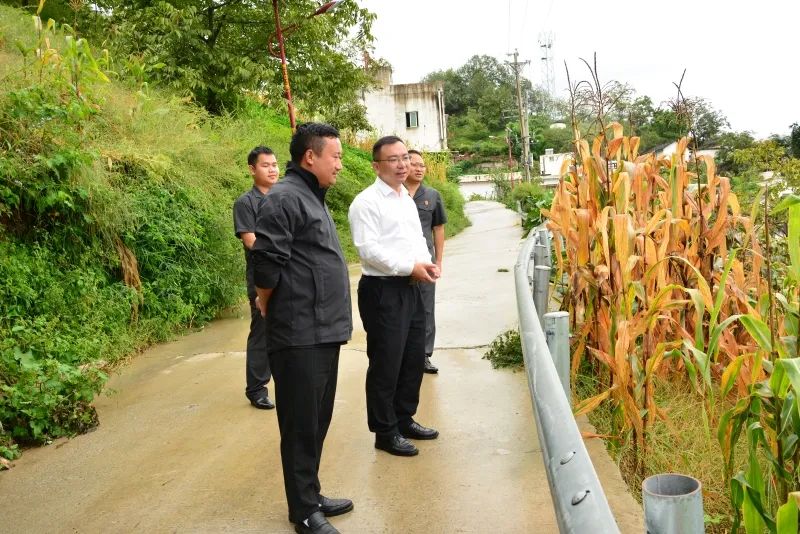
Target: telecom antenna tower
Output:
[{"x": 548, "y": 71}]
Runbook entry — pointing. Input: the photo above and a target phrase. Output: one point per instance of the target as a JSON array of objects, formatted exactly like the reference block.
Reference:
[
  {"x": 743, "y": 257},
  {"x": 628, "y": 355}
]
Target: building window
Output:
[{"x": 412, "y": 119}]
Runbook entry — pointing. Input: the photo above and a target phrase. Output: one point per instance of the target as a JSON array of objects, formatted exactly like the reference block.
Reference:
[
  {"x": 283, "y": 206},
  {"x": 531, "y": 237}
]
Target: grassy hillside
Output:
[{"x": 115, "y": 222}]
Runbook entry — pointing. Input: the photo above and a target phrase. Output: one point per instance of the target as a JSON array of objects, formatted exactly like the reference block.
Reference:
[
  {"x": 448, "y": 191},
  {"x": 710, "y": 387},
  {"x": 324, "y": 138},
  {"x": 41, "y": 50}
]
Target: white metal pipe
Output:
[
  {"x": 541, "y": 290},
  {"x": 673, "y": 504},
  {"x": 578, "y": 498},
  {"x": 556, "y": 331}
]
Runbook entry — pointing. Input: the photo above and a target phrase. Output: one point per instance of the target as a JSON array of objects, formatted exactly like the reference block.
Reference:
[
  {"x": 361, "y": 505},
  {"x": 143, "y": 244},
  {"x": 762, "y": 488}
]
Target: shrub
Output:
[
  {"x": 529, "y": 197},
  {"x": 505, "y": 351},
  {"x": 532, "y": 198}
]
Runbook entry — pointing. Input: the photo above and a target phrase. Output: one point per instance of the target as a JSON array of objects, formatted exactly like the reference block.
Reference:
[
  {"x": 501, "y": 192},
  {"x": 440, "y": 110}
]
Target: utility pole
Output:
[{"x": 523, "y": 117}]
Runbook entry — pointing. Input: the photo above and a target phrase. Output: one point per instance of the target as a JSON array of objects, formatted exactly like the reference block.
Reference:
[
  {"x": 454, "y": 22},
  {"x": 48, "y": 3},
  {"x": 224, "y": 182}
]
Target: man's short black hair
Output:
[
  {"x": 382, "y": 142},
  {"x": 414, "y": 151},
  {"x": 252, "y": 157},
  {"x": 310, "y": 135}
]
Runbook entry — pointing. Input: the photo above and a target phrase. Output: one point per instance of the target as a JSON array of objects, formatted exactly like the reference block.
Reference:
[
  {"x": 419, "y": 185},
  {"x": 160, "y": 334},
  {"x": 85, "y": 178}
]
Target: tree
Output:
[
  {"x": 543, "y": 136},
  {"x": 668, "y": 125},
  {"x": 794, "y": 140},
  {"x": 728, "y": 143},
  {"x": 217, "y": 49},
  {"x": 638, "y": 114},
  {"x": 767, "y": 156},
  {"x": 483, "y": 84},
  {"x": 708, "y": 123},
  {"x": 540, "y": 102}
]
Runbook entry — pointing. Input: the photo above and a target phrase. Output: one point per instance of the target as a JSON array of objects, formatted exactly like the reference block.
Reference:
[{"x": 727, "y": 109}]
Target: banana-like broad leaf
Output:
[
  {"x": 791, "y": 367},
  {"x": 759, "y": 330},
  {"x": 786, "y": 518},
  {"x": 699, "y": 307},
  {"x": 730, "y": 375},
  {"x": 703, "y": 362},
  {"x": 591, "y": 403},
  {"x": 713, "y": 339},
  {"x": 721, "y": 292}
]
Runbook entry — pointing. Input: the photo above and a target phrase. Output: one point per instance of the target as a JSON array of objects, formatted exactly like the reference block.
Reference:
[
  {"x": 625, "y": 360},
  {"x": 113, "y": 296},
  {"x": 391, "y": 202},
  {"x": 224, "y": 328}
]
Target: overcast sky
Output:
[{"x": 741, "y": 56}]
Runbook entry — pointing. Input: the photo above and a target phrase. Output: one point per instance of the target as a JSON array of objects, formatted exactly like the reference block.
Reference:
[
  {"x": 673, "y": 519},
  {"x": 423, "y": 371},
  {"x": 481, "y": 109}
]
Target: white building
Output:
[
  {"x": 550, "y": 166},
  {"x": 413, "y": 112},
  {"x": 483, "y": 185},
  {"x": 669, "y": 149}
]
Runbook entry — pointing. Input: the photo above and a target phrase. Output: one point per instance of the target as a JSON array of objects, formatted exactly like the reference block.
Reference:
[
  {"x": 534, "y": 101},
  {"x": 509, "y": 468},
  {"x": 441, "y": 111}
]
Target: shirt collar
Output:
[
  {"x": 386, "y": 190},
  {"x": 420, "y": 191},
  {"x": 309, "y": 178},
  {"x": 257, "y": 192}
]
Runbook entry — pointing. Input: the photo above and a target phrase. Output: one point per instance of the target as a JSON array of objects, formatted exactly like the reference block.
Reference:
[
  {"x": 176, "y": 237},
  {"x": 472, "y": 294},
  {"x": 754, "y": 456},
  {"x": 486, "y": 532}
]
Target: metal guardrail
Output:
[{"x": 578, "y": 498}]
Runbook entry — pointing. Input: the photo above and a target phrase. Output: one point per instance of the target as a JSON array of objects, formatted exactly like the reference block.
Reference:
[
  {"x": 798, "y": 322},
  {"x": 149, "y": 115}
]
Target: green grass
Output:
[{"x": 682, "y": 444}]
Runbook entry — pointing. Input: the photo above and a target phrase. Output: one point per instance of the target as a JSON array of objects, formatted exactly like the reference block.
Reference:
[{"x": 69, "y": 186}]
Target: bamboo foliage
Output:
[{"x": 654, "y": 283}]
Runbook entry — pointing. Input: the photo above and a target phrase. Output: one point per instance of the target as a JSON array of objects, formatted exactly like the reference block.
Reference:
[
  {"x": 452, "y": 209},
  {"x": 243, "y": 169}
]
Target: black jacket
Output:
[{"x": 297, "y": 253}]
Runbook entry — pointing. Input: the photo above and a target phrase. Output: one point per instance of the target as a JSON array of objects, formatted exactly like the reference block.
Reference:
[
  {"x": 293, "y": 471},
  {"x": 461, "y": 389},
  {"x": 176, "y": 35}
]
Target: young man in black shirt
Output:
[
  {"x": 432, "y": 217},
  {"x": 263, "y": 167}
]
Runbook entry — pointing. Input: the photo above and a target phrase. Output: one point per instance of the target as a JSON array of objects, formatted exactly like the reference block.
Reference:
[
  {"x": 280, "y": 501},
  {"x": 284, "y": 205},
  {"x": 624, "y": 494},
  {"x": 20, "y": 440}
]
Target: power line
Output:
[
  {"x": 508, "y": 33},
  {"x": 547, "y": 15},
  {"x": 524, "y": 22}
]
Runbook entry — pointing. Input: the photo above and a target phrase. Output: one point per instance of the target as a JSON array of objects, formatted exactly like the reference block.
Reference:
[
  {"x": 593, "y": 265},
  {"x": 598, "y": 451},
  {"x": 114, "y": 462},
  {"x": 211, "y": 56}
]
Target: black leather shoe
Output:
[
  {"x": 332, "y": 507},
  {"x": 417, "y": 431},
  {"x": 263, "y": 403},
  {"x": 429, "y": 367},
  {"x": 317, "y": 524},
  {"x": 396, "y": 444}
]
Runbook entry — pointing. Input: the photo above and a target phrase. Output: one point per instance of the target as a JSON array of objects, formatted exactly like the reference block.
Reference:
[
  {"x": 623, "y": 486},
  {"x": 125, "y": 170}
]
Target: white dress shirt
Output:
[{"x": 386, "y": 231}]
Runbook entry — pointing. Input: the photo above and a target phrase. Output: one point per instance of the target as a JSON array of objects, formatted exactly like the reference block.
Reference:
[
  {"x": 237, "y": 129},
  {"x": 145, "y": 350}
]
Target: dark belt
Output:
[{"x": 393, "y": 280}]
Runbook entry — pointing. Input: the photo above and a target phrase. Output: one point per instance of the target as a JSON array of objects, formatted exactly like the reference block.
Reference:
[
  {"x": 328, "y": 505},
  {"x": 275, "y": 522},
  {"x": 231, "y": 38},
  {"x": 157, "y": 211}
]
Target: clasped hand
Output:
[{"x": 425, "y": 272}]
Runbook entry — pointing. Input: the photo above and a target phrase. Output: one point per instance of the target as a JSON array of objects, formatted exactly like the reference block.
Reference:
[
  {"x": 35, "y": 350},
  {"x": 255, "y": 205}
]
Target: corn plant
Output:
[
  {"x": 628, "y": 229},
  {"x": 770, "y": 413}
]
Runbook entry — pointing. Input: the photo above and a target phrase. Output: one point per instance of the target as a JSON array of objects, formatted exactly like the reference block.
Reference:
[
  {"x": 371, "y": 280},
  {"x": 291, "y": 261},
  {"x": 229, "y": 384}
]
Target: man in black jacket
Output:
[{"x": 304, "y": 292}]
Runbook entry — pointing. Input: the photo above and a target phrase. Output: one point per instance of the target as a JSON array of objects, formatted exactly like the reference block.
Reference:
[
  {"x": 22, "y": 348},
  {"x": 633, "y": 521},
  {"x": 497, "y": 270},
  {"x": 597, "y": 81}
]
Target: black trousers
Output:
[
  {"x": 429, "y": 301},
  {"x": 305, "y": 386},
  {"x": 394, "y": 319},
  {"x": 257, "y": 373}
]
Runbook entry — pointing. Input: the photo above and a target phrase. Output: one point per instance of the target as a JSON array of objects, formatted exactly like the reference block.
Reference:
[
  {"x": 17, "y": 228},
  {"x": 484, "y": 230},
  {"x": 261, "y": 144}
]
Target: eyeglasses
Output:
[
  {"x": 394, "y": 160},
  {"x": 418, "y": 165}
]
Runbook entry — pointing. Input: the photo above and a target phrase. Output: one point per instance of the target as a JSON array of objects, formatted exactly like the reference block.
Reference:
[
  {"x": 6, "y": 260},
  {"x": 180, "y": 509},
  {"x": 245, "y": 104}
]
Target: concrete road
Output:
[{"x": 179, "y": 449}]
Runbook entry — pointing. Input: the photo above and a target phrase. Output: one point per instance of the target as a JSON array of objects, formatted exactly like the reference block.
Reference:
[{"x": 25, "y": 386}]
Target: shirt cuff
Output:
[
  {"x": 404, "y": 269},
  {"x": 266, "y": 274}
]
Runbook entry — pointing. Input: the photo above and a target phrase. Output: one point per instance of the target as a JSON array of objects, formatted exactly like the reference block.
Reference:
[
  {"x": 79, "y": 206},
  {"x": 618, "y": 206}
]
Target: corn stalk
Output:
[{"x": 632, "y": 243}]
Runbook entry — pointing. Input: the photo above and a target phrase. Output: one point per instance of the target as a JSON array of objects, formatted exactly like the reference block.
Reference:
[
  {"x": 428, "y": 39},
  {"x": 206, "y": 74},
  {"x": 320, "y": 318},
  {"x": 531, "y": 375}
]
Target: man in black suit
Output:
[{"x": 304, "y": 292}]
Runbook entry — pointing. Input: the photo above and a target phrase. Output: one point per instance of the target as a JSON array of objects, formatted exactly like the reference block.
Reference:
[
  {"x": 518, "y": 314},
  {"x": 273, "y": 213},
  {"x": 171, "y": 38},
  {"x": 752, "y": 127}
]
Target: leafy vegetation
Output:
[
  {"x": 669, "y": 281},
  {"x": 505, "y": 351},
  {"x": 220, "y": 52},
  {"x": 115, "y": 224},
  {"x": 530, "y": 197}
]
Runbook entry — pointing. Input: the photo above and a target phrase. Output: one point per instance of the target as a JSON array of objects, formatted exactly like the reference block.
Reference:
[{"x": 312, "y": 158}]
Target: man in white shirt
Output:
[{"x": 394, "y": 258}]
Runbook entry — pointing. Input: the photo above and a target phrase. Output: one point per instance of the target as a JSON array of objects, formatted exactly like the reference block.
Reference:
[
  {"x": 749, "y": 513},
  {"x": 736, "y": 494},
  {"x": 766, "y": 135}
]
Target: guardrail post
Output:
[
  {"x": 673, "y": 504},
  {"x": 544, "y": 239},
  {"x": 541, "y": 290},
  {"x": 541, "y": 254},
  {"x": 556, "y": 330},
  {"x": 579, "y": 501}
]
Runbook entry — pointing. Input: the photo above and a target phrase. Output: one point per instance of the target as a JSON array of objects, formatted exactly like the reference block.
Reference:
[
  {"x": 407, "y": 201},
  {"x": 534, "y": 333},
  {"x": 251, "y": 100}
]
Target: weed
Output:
[{"x": 505, "y": 351}]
